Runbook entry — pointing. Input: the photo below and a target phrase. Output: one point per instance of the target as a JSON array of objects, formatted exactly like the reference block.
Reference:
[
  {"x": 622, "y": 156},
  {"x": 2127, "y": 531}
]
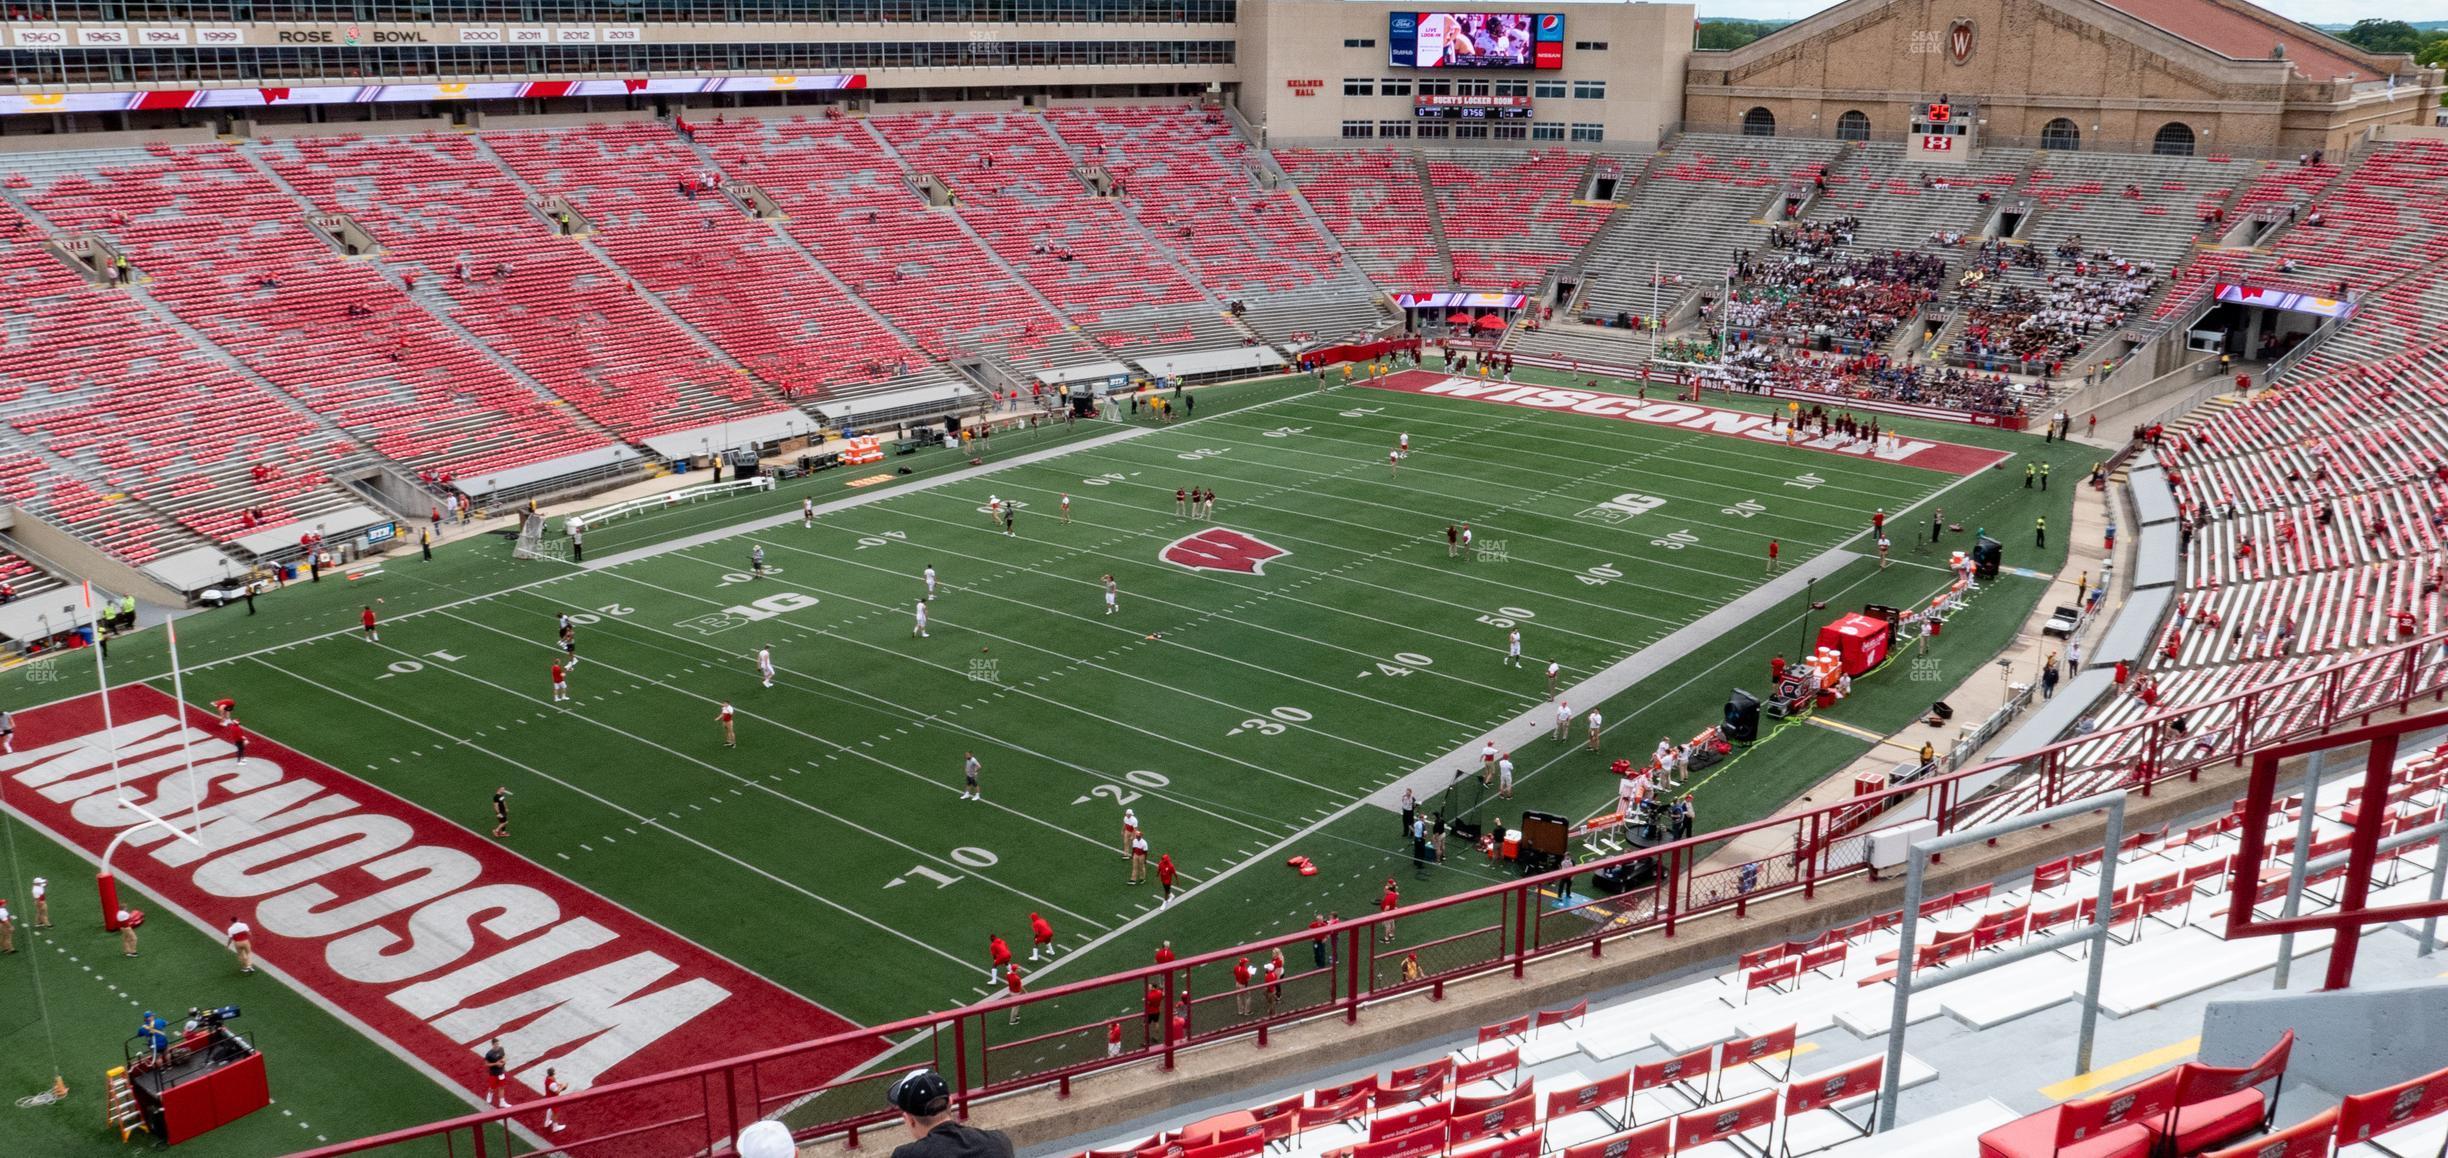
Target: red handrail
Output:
[{"x": 2265, "y": 715}]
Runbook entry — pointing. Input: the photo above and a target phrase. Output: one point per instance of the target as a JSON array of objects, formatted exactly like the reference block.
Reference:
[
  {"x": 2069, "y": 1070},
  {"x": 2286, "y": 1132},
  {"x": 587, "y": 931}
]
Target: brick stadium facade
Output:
[{"x": 2123, "y": 75}]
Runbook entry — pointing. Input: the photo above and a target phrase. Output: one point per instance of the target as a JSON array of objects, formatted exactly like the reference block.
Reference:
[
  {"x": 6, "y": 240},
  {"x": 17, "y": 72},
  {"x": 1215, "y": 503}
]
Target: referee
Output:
[{"x": 925, "y": 1102}]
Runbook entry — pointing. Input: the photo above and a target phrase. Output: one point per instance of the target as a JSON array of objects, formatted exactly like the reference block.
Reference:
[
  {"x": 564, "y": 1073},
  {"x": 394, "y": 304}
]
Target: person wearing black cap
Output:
[{"x": 925, "y": 1102}]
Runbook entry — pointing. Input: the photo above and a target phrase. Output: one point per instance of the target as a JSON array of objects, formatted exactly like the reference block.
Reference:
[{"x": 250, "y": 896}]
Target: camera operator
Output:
[{"x": 925, "y": 1102}]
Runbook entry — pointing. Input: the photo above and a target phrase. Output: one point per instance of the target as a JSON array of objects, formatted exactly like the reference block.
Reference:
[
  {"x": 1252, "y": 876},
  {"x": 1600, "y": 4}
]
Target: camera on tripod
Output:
[{"x": 212, "y": 1018}]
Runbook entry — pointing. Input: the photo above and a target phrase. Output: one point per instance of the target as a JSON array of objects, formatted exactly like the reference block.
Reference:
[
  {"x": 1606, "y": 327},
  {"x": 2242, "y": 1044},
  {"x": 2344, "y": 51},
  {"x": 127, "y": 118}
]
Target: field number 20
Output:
[{"x": 1122, "y": 796}]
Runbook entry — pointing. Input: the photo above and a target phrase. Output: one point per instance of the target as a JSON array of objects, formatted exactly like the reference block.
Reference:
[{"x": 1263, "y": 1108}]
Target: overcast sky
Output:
[{"x": 2309, "y": 11}]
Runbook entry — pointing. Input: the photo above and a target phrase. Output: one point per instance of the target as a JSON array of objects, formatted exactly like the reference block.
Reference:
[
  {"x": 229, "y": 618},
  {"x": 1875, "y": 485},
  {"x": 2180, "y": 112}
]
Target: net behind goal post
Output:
[{"x": 534, "y": 544}]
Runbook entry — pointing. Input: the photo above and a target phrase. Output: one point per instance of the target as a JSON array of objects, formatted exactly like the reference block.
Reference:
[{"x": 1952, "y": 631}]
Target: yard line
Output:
[
  {"x": 1577, "y": 544},
  {"x": 727, "y": 774},
  {"x": 1189, "y": 803},
  {"x": 1099, "y": 717},
  {"x": 640, "y": 817},
  {"x": 1183, "y": 801},
  {"x": 1277, "y": 594},
  {"x": 1135, "y": 634},
  {"x": 1847, "y": 510},
  {"x": 1731, "y": 653},
  {"x": 1255, "y": 590},
  {"x": 1476, "y": 436},
  {"x": 1024, "y": 458},
  {"x": 1185, "y": 608},
  {"x": 1418, "y": 406},
  {"x": 933, "y": 782}
]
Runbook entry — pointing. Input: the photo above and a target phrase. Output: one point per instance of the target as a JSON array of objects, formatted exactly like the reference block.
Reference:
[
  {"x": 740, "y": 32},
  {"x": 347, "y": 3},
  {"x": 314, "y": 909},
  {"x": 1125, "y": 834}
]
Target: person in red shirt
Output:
[
  {"x": 998, "y": 955},
  {"x": 228, "y": 708},
  {"x": 1386, "y": 904},
  {"x": 1113, "y": 1039},
  {"x": 1164, "y": 878},
  {"x": 1164, "y": 953},
  {"x": 560, "y": 684},
  {"x": 1011, "y": 981},
  {"x": 1181, "y": 1025},
  {"x": 1878, "y": 522},
  {"x": 1241, "y": 982},
  {"x": 1041, "y": 936},
  {"x": 367, "y": 617},
  {"x": 237, "y": 739},
  {"x": 1153, "y": 1008},
  {"x": 554, "y": 1087},
  {"x": 1772, "y": 554},
  {"x": 1274, "y": 981},
  {"x": 1317, "y": 944}
]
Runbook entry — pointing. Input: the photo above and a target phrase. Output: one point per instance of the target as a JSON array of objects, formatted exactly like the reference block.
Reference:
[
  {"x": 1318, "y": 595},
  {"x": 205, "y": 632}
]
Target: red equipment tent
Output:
[{"x": 1862, "y": 641}]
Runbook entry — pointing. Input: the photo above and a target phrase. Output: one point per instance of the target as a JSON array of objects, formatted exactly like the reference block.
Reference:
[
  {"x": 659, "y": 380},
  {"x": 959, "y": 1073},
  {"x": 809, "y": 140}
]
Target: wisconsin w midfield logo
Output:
[{"x": 1221, "y": 549}]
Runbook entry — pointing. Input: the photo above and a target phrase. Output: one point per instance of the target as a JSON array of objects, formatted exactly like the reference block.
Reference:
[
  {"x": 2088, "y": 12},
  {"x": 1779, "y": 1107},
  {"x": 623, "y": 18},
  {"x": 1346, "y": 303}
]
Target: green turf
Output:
[
  {"x": 94, "y": 998},
  {"x": 1232, "y": 712}
]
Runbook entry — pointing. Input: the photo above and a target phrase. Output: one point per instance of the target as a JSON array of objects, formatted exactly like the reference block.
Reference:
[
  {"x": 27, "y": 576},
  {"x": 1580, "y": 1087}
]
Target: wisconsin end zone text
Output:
[{"x": 415, "y": 929}]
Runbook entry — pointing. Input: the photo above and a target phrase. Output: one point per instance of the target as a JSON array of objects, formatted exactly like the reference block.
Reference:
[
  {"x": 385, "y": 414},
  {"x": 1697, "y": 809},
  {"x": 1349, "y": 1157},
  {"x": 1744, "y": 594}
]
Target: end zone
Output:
[
  {"x": 1945, "y": 457},
  {"x": 417, "y": 929}
]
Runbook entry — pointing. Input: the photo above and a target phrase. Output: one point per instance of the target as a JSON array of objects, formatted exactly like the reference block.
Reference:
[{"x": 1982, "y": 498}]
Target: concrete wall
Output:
[
  {"x": 2347, "y": 1042},
  {"x": 80, "y": 560},
  {"x": 1289, "y": 41}
]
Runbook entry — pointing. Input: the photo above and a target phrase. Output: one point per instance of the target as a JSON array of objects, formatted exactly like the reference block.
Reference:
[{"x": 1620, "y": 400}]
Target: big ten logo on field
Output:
[
  {"x": 756, "y": 611},
  {"x": 982, "y": 670},
  {"x": 1621, "y": 507},
  {"x": 1493, "y": 551}
]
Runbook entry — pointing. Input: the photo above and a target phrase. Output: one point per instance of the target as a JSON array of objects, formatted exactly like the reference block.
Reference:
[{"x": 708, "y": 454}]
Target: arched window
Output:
[
  {"x": 1853, "y": 126},
  {"x": 2061, "y": 135},
  {"x": 1759, "y": 122},
  {"x": 2175, "y": 139}
]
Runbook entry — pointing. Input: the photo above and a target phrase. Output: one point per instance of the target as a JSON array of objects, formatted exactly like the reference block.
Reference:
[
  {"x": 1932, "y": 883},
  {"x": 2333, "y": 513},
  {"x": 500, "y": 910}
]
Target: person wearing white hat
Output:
[
  {"x": 42, "y": 903},
  {"x": 8, "y": 929},
  {"x": 127, "y": 933}
]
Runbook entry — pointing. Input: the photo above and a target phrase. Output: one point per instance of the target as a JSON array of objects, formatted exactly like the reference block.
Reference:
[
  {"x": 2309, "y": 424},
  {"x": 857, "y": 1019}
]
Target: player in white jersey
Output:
[
  {"x": 1513, "y": 647},
  {"x": 765, "y": 664},
  {"x": 919, "y": 629},
  {"x": 807, "y": 513},
  {"x": 930, "y": 581},
  {"x": 1113, "y": 594}
]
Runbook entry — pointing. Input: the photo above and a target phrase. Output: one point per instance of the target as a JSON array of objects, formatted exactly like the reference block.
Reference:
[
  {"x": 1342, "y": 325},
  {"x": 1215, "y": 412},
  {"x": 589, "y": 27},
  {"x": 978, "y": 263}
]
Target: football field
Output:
[{"x": 1261, "y": 673}]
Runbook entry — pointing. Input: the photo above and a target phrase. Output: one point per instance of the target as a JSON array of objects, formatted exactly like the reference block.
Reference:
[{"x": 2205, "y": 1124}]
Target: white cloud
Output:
[{"x": 2309, "y": 11}]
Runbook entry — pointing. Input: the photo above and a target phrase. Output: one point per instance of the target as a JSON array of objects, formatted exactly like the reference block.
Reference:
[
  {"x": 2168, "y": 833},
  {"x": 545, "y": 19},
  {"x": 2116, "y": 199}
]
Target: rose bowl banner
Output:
[
  {"x": 1940, "y": 456},
  {"x": 22, "y": 104},
  {"x": 421, "y": 932}
]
